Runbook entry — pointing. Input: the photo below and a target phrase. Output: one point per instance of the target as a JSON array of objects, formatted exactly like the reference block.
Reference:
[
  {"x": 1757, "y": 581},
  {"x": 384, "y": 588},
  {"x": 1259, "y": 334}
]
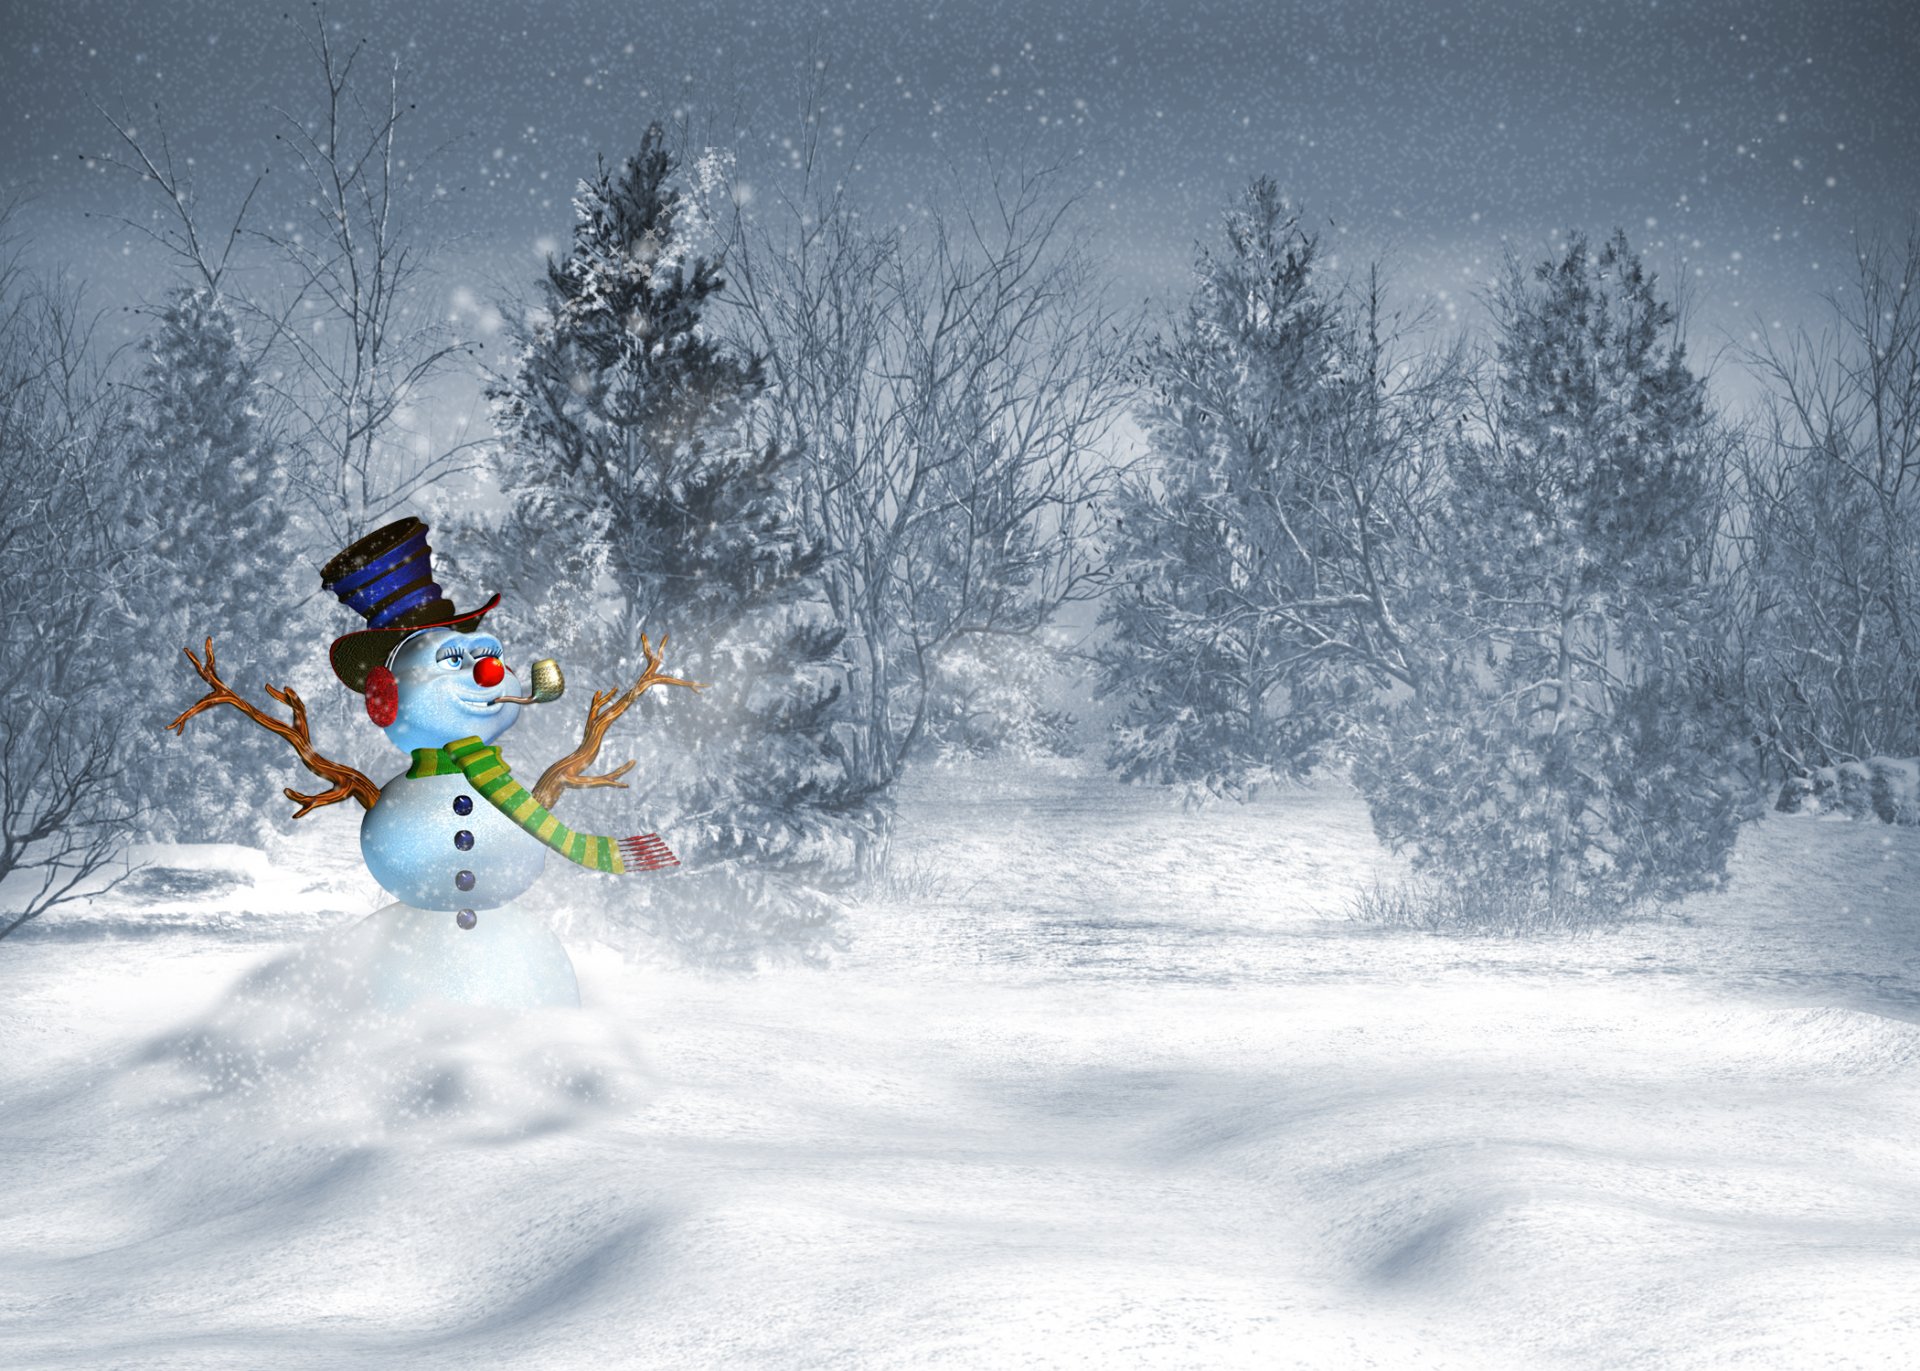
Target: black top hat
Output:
[{"x": 388, "y": 577}]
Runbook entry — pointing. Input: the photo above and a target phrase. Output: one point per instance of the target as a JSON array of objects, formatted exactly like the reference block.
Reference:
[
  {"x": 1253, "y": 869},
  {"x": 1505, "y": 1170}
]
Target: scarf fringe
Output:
[{"x": 646, "y": 852}]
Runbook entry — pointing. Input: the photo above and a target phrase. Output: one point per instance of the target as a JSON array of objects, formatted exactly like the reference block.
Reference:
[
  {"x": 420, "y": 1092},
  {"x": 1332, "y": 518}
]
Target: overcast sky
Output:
[{"x": 1749, "y": 139}]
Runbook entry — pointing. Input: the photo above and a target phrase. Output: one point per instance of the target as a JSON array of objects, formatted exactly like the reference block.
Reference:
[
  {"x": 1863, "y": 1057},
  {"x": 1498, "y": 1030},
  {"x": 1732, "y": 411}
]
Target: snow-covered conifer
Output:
[
  {"x": 1567, "y": 756},
  {"x": 1271, "y": 555},
  {"x": 207, "y": 505},
  {"x": 1200, "y": 538},
  {"x": 626, "y": 428}
]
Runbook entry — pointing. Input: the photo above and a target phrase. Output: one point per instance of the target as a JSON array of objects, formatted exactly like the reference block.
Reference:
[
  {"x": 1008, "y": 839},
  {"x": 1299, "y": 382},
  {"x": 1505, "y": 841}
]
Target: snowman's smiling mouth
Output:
[{"x": 485, "y": 704}]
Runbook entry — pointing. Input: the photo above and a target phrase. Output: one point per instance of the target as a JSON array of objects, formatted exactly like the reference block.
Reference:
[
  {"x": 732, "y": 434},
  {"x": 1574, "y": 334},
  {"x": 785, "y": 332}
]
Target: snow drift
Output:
[{"x": 1142, "y": 1103}]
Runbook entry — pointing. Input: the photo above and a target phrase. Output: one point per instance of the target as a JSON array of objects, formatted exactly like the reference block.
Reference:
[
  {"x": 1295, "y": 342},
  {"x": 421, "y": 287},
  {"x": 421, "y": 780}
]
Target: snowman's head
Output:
[{"x": 450, "y": 686}]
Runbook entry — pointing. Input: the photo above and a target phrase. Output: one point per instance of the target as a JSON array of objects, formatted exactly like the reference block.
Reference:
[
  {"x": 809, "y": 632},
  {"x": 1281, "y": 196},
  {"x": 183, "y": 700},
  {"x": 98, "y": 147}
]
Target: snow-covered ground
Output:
[{"x": 1109, "y": 1085}]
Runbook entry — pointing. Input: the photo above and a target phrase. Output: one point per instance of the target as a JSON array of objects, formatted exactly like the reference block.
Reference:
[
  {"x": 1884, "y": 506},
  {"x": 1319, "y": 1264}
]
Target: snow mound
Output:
[
  {"x": 1112, "y": 1089},
  {"x": 293, "y": 1178},
  {"x": 296, "y": 1047},
  {"x": 1830, "y": 1042},
  {"x": 304, "y": 885}
]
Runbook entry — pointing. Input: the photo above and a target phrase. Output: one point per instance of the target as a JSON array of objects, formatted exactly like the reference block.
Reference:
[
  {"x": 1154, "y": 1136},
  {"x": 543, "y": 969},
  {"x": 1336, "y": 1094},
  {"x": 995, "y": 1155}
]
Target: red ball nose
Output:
[{"x": 488, "y": 671}]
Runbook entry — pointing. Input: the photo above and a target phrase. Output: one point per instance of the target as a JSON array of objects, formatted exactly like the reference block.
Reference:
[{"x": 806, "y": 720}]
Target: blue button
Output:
[
  {"x": 466, "y": 918},
  {"x": 463, "y": 840},
  {"x": 463, "y": 879},
  {"x": 463, "y": 804}
]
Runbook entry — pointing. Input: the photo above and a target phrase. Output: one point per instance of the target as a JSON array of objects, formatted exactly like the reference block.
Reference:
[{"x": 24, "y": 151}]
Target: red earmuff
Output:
[{"x": 383, "y": 696}]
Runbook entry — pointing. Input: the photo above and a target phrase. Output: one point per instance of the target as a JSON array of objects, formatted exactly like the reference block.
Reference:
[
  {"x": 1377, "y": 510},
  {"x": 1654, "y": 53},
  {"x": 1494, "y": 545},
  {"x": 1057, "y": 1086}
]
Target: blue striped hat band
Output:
[{"x": 396, "y": 581}]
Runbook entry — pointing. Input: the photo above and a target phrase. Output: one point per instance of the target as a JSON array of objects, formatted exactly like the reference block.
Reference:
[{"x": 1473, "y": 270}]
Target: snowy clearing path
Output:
[{"x": 1118, "y": 1088}]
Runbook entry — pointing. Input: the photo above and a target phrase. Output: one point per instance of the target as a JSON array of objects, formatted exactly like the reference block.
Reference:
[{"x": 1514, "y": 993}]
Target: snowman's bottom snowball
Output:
[{"x": 507, "y": 960}]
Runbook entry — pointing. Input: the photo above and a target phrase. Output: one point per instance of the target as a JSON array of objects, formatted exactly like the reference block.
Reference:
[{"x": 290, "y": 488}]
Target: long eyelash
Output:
[{"x": 450, "y": 653}]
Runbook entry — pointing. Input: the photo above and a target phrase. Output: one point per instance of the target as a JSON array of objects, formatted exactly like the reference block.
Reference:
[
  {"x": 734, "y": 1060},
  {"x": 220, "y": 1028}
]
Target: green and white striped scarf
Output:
[{"x": 483, "y": 766}]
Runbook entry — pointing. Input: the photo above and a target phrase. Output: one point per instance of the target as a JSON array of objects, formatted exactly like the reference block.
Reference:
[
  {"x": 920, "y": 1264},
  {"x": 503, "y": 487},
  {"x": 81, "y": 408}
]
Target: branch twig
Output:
[
  {"x": 347, "y": 782},
  {"x": 607, "y": 706}
]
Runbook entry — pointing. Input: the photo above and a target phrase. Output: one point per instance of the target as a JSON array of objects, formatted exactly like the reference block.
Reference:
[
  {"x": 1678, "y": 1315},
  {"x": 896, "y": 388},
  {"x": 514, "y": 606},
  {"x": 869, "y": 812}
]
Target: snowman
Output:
[{"x": 455, "y": 838}]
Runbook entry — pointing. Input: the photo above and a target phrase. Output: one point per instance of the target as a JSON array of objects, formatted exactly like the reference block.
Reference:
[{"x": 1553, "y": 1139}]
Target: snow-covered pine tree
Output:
[
  {"x": 772, "y": 825},
  {"x": 1567, "y": 760},
  {"x": 207, "y": 503},
  {"x": 622, "y": 405},
  {"x": 1205, "y": 542},
  {"x": 627, "y": 427}
]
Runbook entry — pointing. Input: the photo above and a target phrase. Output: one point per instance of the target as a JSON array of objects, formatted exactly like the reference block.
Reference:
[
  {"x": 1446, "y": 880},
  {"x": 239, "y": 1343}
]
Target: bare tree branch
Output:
[
  {"x": 607, "y": 706},
  {"x": 348, "y": 783}
]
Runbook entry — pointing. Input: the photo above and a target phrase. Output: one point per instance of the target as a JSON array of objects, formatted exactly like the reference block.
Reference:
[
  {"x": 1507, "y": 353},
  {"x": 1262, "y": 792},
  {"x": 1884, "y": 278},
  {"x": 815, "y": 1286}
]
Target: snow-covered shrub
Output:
[
  {"x": 998, "y": 695},
  {"x": 1885, "y": 788},
  {"x": 1894, "y": 785}
]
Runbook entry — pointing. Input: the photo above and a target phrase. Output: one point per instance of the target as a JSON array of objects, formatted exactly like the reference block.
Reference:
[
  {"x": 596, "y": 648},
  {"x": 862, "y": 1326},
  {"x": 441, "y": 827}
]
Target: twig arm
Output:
[
  {"x": 346, "y": 782},
  {"x": 569, "y": 773}
]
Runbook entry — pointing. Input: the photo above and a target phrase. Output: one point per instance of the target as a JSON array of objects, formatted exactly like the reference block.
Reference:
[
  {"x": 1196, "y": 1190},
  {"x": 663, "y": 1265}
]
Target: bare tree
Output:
[
  {"x": 359, "y": 335},
  {"x": 182, "y": 234},
  {"x": 954, "y": 393},
  {"x": 348, "y": 340},
  {"x": 1831, "y": 519},
  {"x": 61, "y": 824},
  {"x": 207, "y": 496},
  {"x": 63, "y": 605}
]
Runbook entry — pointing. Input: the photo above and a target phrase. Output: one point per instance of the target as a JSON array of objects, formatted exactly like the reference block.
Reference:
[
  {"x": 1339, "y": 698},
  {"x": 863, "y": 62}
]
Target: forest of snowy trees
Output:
[{"x": 1562, "y": 618}]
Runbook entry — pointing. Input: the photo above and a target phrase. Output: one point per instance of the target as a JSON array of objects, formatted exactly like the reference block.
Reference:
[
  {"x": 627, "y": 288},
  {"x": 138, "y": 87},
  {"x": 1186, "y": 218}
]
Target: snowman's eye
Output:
[{"x": 450, "y": 654}]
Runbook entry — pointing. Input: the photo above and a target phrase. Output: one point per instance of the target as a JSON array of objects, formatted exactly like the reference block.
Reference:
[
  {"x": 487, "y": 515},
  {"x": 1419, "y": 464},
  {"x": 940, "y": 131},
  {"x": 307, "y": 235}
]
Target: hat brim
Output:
[{"x": 359, "y": 653}]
